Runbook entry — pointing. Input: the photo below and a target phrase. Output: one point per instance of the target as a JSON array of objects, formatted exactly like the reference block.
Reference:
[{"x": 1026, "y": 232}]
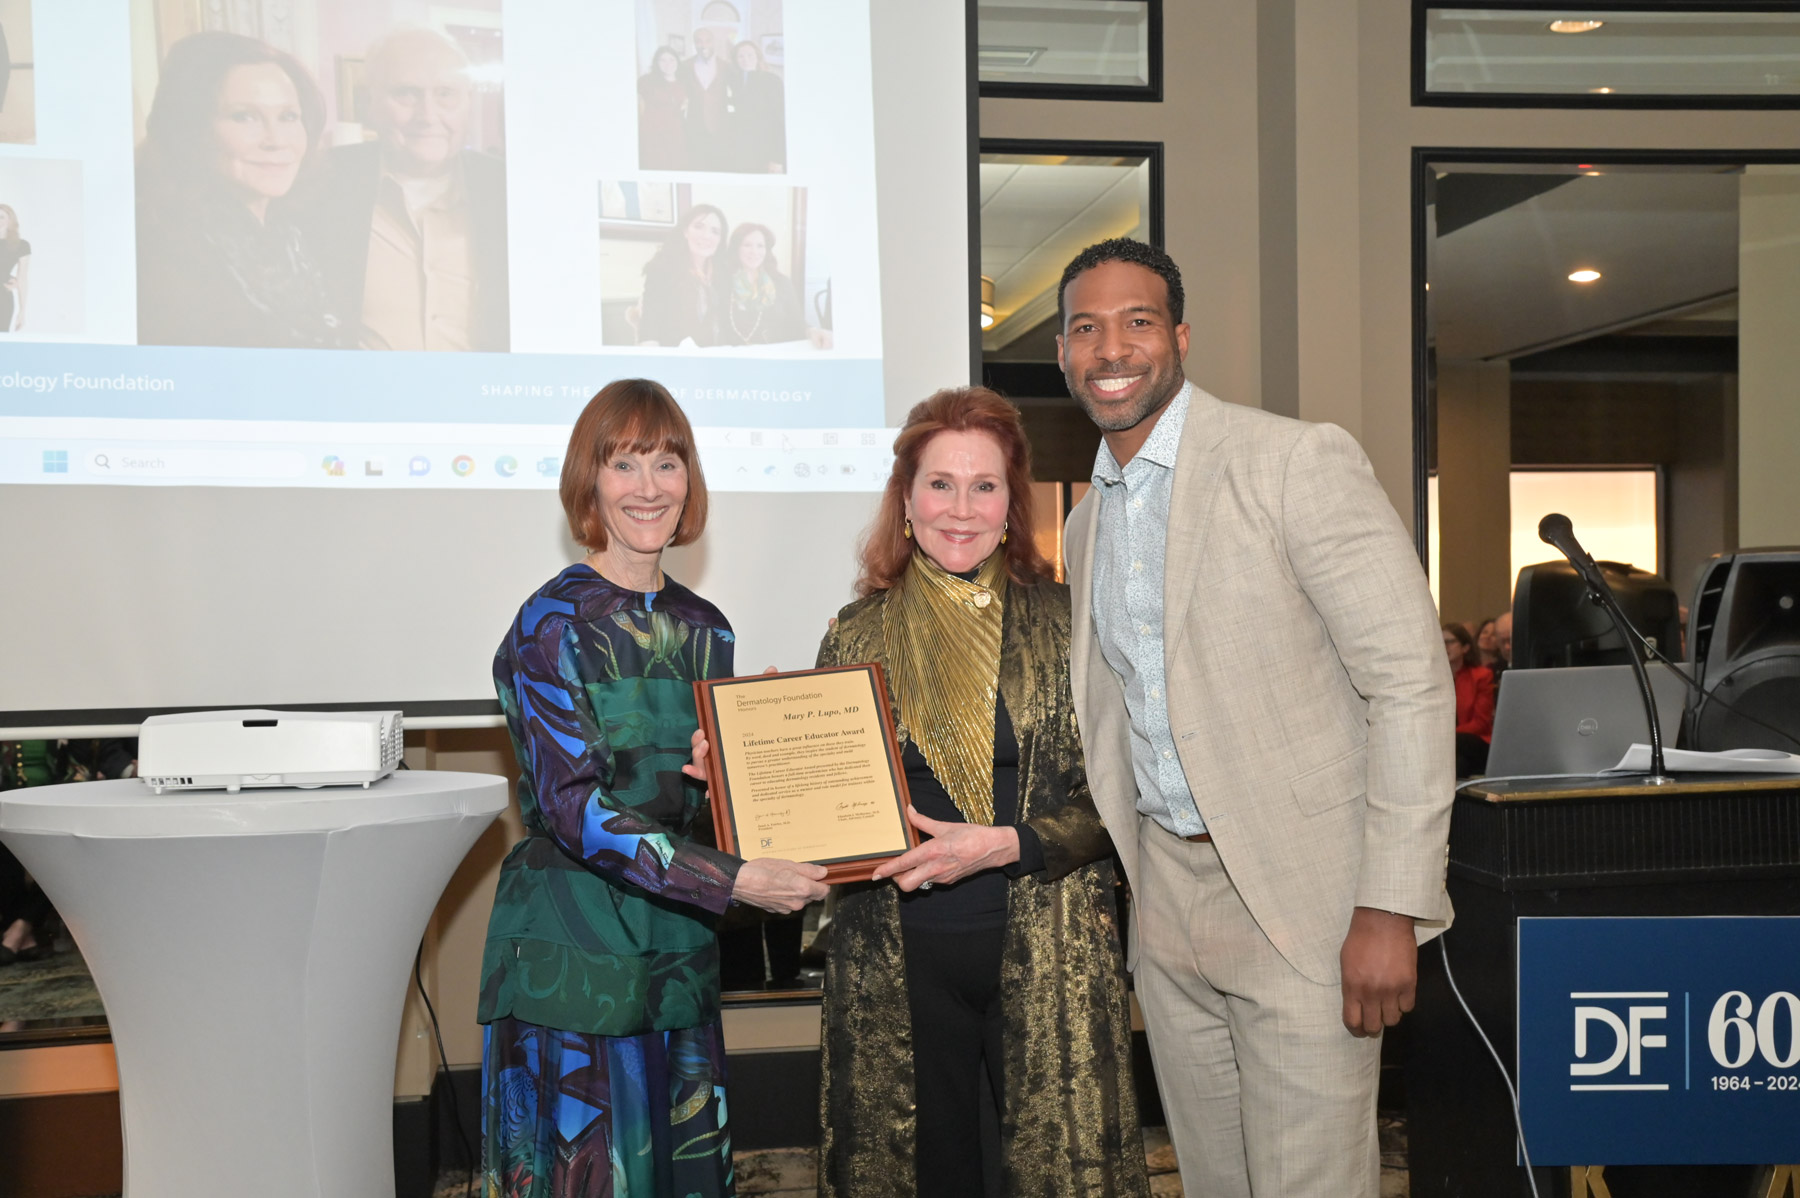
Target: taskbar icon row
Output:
[
  {"x": 420, "y": 465},
  {"x": 829, "y": 463}
]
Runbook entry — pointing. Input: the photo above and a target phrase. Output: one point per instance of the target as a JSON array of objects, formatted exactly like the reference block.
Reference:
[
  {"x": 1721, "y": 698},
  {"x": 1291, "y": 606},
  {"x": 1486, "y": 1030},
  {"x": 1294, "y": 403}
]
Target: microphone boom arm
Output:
[{"x": 1556, "y": 530}]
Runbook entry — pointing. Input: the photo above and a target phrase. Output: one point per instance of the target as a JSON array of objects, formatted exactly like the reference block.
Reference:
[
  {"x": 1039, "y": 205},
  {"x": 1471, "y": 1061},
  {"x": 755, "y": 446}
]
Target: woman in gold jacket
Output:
[{"x": 994, "y": 948}]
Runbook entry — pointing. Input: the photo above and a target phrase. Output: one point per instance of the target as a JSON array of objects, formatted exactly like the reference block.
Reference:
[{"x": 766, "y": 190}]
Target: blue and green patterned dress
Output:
[{"x": 604, "y": 1066}]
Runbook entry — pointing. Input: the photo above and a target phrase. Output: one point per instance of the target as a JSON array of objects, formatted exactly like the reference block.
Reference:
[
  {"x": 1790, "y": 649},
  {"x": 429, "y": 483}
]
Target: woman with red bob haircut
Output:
[
  {"x": 603, "y": 1067},
  {"x": 993, "y": 947}
]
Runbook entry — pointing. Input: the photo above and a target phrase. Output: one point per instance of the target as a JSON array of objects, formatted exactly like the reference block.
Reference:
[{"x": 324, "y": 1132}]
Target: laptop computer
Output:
[{"x": 1577, "y": 719}]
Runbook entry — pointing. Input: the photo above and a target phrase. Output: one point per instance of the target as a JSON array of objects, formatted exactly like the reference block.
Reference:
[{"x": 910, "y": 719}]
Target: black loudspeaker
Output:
[
  {"x": 1744, "y": 644},
  {"x": 1557, "y": 621}
]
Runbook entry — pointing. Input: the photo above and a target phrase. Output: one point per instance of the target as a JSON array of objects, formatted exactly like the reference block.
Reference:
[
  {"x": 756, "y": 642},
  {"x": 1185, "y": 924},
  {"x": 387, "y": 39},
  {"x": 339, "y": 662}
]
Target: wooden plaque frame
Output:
[{"x": 719, "y": 786}]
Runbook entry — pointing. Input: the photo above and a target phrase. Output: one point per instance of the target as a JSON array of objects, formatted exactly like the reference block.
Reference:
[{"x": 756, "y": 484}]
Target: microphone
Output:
[{"x": 1557, "y": 530}]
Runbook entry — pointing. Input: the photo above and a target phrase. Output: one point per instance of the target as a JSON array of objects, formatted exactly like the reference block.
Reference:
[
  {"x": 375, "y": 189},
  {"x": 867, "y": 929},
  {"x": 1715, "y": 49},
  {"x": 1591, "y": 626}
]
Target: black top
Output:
[
  {"x": 210, "y": 273},
  {"x": 10, "y": 254},
  {"x": 978, "y": 901},
  {"x": 756, "y": 122},
  {"x": 677, "y": 304}
]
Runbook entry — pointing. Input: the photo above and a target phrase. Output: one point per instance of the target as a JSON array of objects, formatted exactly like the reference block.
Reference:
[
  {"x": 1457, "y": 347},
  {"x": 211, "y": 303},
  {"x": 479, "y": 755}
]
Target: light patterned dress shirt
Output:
[
  {"x": 419, "y": 288},
  {"x": 1128, "y": 609}
]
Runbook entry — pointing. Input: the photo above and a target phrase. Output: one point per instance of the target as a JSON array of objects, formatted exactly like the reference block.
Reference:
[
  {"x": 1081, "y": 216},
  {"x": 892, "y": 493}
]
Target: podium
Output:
[
  {"x": 253, "y": 951},
  {"x": 1704, "y": 845}
]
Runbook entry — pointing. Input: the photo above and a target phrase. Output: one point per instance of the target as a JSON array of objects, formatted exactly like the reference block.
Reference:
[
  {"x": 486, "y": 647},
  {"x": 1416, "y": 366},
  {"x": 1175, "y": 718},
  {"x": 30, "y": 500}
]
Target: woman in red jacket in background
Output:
[{"x": 1474, "y": 701}]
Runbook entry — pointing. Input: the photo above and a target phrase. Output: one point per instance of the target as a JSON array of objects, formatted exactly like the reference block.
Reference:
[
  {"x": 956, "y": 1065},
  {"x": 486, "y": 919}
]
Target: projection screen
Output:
[{"x": 310, "y": 294}]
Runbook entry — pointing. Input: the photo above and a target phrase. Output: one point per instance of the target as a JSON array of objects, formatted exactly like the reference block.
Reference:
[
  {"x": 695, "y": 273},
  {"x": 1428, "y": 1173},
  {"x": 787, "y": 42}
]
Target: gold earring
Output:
[
  {"x": 907, "y": 533},
  {"x": 1003, "y": 529}
]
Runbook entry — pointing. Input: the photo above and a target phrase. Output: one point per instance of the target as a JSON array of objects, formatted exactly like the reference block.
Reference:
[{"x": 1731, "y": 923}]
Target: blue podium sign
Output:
[{"x": 1660, "y": 1041}]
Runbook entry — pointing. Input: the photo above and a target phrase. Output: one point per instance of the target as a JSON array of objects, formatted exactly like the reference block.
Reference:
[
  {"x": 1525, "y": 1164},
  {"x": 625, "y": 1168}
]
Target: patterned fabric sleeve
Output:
[
  {"x": 1073, "y": 835},
  {"x": 831, "y": 650},
  {"x": 565, "y": 753}
]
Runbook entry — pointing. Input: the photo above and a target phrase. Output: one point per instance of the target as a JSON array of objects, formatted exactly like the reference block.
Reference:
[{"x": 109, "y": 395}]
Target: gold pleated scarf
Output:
[{"x": 943, "y": 645}]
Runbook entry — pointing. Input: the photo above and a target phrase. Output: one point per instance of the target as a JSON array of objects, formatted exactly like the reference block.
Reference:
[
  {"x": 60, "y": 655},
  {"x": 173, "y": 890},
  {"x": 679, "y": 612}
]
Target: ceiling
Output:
[
  {"x": 1036, "y": 214},
  {"x": 1665, "y": 242},
  {"x": 1665, "y": 239}
]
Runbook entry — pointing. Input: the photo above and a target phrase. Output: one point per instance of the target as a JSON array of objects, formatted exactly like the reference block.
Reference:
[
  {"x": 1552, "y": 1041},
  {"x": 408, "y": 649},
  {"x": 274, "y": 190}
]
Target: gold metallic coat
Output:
[{"x": 1069, "y": 1119}]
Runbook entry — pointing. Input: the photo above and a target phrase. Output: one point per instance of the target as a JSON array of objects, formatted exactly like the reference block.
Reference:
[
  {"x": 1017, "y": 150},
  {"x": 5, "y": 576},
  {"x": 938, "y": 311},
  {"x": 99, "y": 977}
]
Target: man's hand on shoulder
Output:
[{"x": 1380, "y": 964}]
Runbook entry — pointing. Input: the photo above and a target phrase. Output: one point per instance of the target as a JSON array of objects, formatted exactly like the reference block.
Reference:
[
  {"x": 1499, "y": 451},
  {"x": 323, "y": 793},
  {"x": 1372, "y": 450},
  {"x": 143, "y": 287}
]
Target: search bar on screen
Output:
[{"x": 194, "y": 463}]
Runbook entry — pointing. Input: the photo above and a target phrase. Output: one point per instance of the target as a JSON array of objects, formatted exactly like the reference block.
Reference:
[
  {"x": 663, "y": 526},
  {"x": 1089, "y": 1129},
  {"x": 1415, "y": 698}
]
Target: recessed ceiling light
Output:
[
  {"x": 1601, "y": 91},
  {"x": 1575, "y": 26},
  {"x": 1584, "y": 276}
]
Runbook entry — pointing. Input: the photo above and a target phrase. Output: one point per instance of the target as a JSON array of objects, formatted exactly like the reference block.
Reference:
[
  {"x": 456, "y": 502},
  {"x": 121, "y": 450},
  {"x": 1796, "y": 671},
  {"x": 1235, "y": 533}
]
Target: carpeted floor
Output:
[
  {"x": 791, "y": 1172},
  {"x": 57, "y": 988},
  {"x": 60, "y": 988}
]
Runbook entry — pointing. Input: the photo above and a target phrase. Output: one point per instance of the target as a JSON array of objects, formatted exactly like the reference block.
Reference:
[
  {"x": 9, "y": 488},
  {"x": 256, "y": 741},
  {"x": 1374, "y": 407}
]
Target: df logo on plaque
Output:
[{"x": 1660, "y": 1041}]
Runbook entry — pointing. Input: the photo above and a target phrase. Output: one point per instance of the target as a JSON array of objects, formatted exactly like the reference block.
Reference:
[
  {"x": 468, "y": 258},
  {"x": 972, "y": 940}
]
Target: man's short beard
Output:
[{"x": 1154, "y": 399}]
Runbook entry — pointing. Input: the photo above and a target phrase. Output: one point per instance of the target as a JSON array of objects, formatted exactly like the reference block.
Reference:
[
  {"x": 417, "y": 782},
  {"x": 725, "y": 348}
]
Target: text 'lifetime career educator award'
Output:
[{"x": 804, "y": 765}]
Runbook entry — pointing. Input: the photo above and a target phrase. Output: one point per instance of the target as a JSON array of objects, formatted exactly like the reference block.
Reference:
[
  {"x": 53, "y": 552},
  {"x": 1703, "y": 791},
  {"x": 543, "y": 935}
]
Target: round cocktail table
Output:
[{"x": 253, "y": 952}]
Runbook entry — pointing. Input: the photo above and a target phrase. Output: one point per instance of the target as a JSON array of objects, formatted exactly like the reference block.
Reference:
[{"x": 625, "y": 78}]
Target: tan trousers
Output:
[{"x": 1265, "y": 1092}]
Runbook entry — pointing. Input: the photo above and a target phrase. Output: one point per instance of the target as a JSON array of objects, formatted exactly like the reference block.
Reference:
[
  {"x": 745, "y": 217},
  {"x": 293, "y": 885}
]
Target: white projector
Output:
[{"x": 205, "y": 750}]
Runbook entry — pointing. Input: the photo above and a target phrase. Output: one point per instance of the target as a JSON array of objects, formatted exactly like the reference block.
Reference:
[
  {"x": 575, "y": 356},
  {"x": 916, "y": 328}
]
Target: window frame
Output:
[
  {"x": 1423, "y": 159},
  {"x": 1148, "y": 93},
  {"x": 1424, "y": 98},
  {"x": 1021, "y": 378}
]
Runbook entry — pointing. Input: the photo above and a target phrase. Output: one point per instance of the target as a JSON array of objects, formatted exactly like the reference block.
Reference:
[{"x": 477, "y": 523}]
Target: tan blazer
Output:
[{"x": 1309, "y": 697}]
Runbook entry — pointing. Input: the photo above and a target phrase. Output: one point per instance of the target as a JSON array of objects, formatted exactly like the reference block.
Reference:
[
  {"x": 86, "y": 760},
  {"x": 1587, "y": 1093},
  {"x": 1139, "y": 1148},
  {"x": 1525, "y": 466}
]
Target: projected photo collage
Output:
[
  {"x": 699, "y": 263},
  {"x": 39, "y": 198},
  {"x": 561, "y": 194},
  {"x": 352, "y": 196}
]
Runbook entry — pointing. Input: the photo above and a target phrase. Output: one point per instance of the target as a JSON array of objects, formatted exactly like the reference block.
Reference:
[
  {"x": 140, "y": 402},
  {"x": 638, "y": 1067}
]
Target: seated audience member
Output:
[
  {"x": 412, "y": 226},
  {"x": 757, "y": 303},
  {"x": 756, "y": 113},
  {"x": 24, "y": 913},
  {"x": 1503, "y": 642},
  {"x": 220, "y": 261},
  {"x": 680, "y": 305},
  {"x": 1487, "y": 650},
  {"x": 1474, "y": 701},
  {"x": 26, "y": 917}
]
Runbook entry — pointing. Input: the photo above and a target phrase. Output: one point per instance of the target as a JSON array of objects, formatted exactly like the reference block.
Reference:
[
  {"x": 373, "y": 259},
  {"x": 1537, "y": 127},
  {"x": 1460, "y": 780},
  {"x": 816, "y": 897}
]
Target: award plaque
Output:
[{"x": 804, "y": 765}]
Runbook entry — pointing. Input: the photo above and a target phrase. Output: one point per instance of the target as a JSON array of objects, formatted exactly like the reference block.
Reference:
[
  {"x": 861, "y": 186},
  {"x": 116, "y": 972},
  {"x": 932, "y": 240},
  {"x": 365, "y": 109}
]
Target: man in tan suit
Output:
[{"x": 1267, "y": 717}]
